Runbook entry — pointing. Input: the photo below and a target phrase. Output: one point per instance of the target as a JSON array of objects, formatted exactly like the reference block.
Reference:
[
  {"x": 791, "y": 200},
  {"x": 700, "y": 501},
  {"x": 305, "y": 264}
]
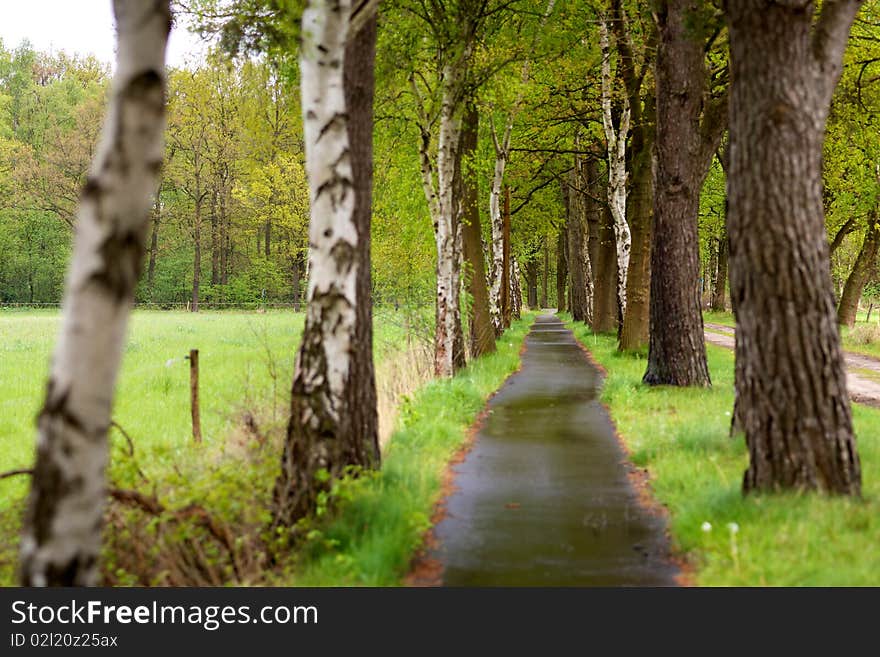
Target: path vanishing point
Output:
[{"x": 543, "y": 497}]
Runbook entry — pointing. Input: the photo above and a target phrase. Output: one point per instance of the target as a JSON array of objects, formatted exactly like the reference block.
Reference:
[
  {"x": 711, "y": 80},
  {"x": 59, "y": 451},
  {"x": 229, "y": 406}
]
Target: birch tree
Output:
[
  {"x": 615, "y": 139},
  {"x": 501, "y": 145},
  {"x": 454, "y": 32},
  {"x": 333, "y": 422},
  {"x": 62, "y": 530}
]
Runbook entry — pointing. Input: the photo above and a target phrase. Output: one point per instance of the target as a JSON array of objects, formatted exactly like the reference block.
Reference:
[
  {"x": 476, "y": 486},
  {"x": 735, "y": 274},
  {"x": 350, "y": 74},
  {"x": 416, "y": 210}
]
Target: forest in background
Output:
[{"x": 230, "y": 223}]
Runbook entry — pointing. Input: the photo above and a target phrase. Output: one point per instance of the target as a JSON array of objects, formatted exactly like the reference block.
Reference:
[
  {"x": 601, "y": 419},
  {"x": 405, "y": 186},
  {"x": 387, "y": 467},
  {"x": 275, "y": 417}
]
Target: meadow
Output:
[{"x": 246, "y": 367}]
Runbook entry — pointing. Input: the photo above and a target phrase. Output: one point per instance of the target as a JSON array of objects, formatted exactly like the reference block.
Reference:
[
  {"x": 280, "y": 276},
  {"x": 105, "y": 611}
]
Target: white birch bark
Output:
[
  {"x": 62, "y": 533},
  {"x": 332, "y": 232},
  {"x": 502, "y": 147},
  {"x": 617, "y": 176},
  {"x": 438, "y": 186}
]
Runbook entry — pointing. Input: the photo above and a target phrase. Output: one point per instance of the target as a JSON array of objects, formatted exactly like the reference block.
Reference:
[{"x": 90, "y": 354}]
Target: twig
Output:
[{"x": 13, "y": 473}]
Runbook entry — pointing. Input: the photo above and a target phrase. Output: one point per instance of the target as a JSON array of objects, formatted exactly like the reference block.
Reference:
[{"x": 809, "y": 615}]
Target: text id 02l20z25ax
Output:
[{"x": 61, "y": 640}]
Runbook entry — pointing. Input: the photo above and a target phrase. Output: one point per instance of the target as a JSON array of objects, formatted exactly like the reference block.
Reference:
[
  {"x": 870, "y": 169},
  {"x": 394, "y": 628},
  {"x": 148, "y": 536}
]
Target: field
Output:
[{"x": 246, "y": 365}]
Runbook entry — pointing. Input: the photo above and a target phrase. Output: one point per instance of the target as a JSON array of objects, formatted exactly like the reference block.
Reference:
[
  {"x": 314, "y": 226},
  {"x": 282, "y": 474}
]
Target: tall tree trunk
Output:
[
  {"x": 267, "y": 235},
  {"x": 545, "y": 273},
  {"x": 605, "y": 308},
  {"x": 62, "y": 528},
  {"x": 154, "y": 244},
  {"x": 640, "y": 201},
  {"x": 448, "y": 338},
  {"x": 496, "y": 223},
  {"x": 791, "y": 397},
  {"x": 532, "y": 283},
  {"x": 482, "y": 331},
  {"x": 719, "y": 289},
  {"x": 224, "y": 240},
  {"x": 858, "y": 277},
  {"x": 333, "y": 421},
  {"x": 615, "y": 137},
  {"x": 516, "y": 300},
  {"x": 506, "y": 266},
  {"x": 197, "y": 253},
  {"x": 215, "y": 239},
  {"x": 577, "y": 248},
  {"x": 561, "y": 270},
  {"x": 688, "y": 135}
]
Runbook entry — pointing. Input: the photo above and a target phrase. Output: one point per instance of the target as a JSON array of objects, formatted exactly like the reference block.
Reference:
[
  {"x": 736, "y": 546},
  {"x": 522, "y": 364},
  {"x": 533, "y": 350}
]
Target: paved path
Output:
[
  {"x": 543, "y": 498},
  {"x": 862, "y": 372}
]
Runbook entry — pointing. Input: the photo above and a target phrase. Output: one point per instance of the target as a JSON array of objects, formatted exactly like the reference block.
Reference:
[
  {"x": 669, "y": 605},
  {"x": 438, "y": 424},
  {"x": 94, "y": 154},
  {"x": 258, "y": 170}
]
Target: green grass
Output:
[
  {"x": 246, "y": 364},
  {"x": 381, "y": 519},
  {"x": 681, "y": 436}
]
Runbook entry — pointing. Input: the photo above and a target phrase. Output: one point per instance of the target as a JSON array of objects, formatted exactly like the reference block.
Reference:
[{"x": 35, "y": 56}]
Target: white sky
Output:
[{"x": 80, "y": 26}]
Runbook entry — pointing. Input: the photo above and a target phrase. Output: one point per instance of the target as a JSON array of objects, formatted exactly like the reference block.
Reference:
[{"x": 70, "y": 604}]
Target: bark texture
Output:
[
  {"x": 615, "y": 137},
  {"x": 62, "y": 528},
  {"x": 333, "y": 423},
  {"x": 858, "y": 277},
  {"x": 482, "y": 330},
  {"x": 605, "y": 315},
  {"x": 686, "y": 142},
  {"x": 719, "y": 289},
  {"x": 639, "y": 211},
  {"x": 791, "y": 397},
  {"x": 580, "y": 277},
  {"x": 561, "y": 270}
]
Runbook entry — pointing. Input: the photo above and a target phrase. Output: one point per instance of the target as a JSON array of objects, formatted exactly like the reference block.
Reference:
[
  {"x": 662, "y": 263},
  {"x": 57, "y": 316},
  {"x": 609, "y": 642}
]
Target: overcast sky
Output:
[{"x": 78, "y": 26}]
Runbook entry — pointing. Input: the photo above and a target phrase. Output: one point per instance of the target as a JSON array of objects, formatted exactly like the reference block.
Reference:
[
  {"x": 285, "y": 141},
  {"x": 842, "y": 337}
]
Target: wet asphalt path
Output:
[{"x": 543, "y": 498}]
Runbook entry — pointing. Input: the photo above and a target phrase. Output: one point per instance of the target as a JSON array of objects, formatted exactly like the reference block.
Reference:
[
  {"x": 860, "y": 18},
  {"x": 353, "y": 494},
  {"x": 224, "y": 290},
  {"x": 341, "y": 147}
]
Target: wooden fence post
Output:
[{"x": 194, "y": 394}]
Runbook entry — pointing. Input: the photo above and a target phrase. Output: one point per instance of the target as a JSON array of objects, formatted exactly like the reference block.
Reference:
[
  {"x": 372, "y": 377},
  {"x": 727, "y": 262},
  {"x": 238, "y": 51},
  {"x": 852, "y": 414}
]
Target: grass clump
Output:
[{"x": 681, "y": 437}]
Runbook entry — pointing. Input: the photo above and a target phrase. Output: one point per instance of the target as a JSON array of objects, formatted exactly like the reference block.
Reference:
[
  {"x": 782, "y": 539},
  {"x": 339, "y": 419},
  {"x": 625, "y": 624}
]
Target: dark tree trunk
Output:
[
  {"x": 215, "y": 240},
  {"x": 532, "y": 283},
  {"x": 576, "y": 232},
  {"x": 639, "y": 210},
  {"x": 267, "y": 234},
  {"x": 561, "y": 270},
  {"x": 677, "y": 350},
  {"x": 197, "y": 254},
  {"x": 224, "y": 241},
  {"x": 605, "y": 311},
  {"x": 545, "y": 273},
  {"x": 347, "y": 436},
  {"x": 296, "y": 272},
  {"x": 482, "y": 332},
  {"x": 791, "y": 397},
  {"x": 154, "y": 245},
  {"x": 858, "y": 277},
  {"x": 719, "y": 289}
]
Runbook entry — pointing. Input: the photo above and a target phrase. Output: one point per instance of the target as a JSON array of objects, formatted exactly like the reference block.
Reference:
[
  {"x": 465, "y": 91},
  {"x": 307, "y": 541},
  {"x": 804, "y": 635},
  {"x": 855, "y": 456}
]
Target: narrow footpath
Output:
[
  {"x": 862, "y": 372},
  {"x": 543, "y": 497}
]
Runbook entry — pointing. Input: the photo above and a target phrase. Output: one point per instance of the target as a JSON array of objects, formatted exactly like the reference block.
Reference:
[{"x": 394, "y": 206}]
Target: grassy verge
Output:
[
  {"x": 380, "y": 520},
  {"x": 681, "y": 436}
]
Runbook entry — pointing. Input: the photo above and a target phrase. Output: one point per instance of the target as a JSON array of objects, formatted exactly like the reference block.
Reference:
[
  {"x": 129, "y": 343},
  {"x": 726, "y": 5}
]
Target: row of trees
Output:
[
  {"x": 229, "y": 222},
  {"x": 584, "y": 130}
]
